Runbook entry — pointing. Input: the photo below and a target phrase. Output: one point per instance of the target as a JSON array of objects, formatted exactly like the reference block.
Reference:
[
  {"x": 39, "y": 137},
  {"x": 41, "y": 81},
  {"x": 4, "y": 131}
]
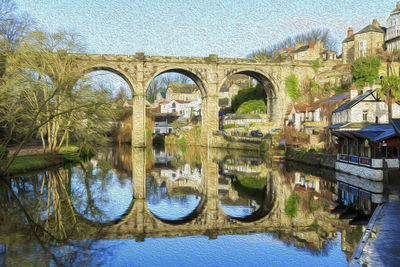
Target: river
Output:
[{"x": 183, "y": 206}]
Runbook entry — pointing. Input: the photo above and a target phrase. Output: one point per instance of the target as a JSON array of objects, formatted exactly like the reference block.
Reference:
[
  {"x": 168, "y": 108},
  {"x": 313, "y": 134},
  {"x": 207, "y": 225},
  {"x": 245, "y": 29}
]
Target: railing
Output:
[{"x": 355, "y": 159}]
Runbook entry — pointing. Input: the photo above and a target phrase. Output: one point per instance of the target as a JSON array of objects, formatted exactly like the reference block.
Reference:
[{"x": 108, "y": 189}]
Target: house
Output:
[
  {"x": 241, "y": 119},
  {"x": 392, "y": 37},
  {"x": 366, "y": 41},
  {"x": 182, "y": 92},
  {"x": 331, "y": 104},
  {"x": 183, "y": 109},
  {"x": 366, "y": 152},
  {"x": 311, "y": 51},
  {"x": 362, "y": 110},
  {"x": 302, "y": 113},
  {"x": 162, "y": 123}
]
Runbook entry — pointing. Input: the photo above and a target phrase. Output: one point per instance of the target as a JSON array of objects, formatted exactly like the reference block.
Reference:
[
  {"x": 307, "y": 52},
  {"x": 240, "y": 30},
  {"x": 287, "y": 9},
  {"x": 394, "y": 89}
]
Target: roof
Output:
[
  {"x": 314, "y": 106},
  {"x": 223, "y": 102},
  {"x": 301, "y": 49},
  {"x": 300, "y": 107},
  {"x": 373, "y": 133},
  {"x": 396, "y": 124},
  {"x": 371, "y": 28},
  {"x": 352, "y": 102},
  {"x": 242, "y": 116},
  {"x": 182, "y": 88},
  {"x": 348, "y": 39},
  {"x": 162, "y": 94},
  {"x": 396, "y": 9},
  {"x": 336, "y": 98},
  {"x": 394, "y": 39}
]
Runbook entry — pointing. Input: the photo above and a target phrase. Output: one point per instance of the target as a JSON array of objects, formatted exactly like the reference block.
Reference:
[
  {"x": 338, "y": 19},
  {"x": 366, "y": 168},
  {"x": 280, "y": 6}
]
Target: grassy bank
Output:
[{"x": 35, "y": 162}]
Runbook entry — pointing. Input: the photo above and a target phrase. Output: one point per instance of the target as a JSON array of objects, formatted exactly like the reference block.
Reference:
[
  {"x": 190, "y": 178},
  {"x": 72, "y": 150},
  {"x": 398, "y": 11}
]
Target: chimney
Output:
[
  {"x": 366, "y": 88},
  {"x": 298, "y": 45},
  {"x": 290, "y": 49},
  {"x": 375, "y": 22},
  {"x": 353, "y": 92},
  {"x": 311, "y": 44},
  {"x": 398, "y": 5},
  {"x": 332, "y": 93},
  {"x": 276, "y": 53},
  {"x": 350, "y": 31}
]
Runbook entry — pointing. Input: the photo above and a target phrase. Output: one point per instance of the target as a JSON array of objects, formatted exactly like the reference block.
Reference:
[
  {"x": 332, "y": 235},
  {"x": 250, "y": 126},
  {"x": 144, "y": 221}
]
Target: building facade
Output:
[
  {"x": 392, "y": 38},
  {"x": 365, "y": 42}
]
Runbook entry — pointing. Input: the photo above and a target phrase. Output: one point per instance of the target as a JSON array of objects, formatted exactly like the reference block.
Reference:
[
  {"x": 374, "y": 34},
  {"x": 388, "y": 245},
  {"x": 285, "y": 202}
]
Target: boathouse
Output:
[{"x": 369, "y": 151}]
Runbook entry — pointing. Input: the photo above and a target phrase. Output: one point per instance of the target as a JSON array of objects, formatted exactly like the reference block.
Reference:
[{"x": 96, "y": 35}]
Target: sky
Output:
[{"x": 230, "y": 28}]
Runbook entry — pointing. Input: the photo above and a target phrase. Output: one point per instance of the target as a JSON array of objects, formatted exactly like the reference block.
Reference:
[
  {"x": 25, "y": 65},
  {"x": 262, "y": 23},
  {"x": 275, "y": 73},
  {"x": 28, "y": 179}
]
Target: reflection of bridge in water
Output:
[{"x": 208, "y": 218}]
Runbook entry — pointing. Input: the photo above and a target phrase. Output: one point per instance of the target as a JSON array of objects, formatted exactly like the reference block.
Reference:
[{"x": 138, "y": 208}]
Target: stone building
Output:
[
  {"x": 183, "y": 92},
  {"x": 392, "y": 38},
  {"x": 312, "y": 51},
  {"x": 362, "y": 43}
]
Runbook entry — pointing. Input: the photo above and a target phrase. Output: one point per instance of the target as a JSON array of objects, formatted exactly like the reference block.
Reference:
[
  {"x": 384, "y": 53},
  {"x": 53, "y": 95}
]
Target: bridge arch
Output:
[
  {"x": 125, "y": 76},
  {"x": 195, "y": 77}
]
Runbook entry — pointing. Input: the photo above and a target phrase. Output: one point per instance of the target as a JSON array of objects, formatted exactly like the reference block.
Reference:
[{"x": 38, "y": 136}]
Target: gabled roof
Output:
[
  {"x": 371, "y": 28},
  {"x": 348, "y": 39},
  {"x": 373, "y": 133},
  {"x": 336, "y": 98},
  {"x": 314, "y": 106},
  {"x": 300, "y": 107},
  {"x": 182, "y": 88},
  {"x": 396, "y": 125},
  {"x": 352, "y": 102},
  {"x": 301, "y": 49}
]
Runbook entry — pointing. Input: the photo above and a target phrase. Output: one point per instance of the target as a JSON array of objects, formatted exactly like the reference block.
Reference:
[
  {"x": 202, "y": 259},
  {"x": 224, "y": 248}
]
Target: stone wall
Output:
[{"x": 310, "y": 158}]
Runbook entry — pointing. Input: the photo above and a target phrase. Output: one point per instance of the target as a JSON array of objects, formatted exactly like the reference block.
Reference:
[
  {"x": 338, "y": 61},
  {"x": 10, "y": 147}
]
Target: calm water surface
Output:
[{"x": 182, "y": 206}]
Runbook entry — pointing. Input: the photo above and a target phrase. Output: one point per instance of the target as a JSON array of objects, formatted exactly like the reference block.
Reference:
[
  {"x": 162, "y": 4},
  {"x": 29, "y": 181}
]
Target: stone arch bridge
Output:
[{"x": 209, "y": 73}]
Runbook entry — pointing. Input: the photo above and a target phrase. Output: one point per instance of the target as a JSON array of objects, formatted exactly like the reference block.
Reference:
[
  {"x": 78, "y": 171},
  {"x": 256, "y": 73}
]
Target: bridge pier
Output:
[
  {"x": 139, "y": 173},
  {"x": 209, "y": 119},
  {"x": 138, "y": 121}
]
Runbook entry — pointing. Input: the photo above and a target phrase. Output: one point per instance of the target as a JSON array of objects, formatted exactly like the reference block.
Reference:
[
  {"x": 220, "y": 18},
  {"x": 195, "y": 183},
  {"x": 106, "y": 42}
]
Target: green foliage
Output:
[
  {"x": 149, "y": 152},
  {"x": 86, "y": 151},
  {"x": 313, "y": 207},
  {"x": 291, "y": 83},
  {"x": 3, "y": 152},
  {"x": 228, "y": 126},
  {"x": 357, "y": 233},
  {"x": 245, "y": 95},
  {"x": 291, "y": 206},
  {"x": 339, "y": 89},
  {"x": 315, "y": 65},
  {"x": 181, "y": 141},
  {"x": 365, "y": 70},
  {"x": 251, "y": 107},
  {"x": 252, "y": 182},
  {"x": 71, "y": 148},
  {"x": 393, "y": 83},
  {"x": 149, "y": 133}
]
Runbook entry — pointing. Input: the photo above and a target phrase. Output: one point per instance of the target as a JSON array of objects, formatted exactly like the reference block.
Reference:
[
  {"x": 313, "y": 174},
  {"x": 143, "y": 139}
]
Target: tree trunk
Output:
[{"x": 390, "y": 104}]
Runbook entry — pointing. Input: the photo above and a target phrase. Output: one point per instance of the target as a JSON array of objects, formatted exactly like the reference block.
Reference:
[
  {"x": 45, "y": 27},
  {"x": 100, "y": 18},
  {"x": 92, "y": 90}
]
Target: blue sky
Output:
[{"x": 231, "y": 28}]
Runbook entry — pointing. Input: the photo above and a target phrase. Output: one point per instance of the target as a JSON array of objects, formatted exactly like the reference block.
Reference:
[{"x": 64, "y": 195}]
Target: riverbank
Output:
[
  {"x": 33, "y": 159},
  {"x": 311, "y": 158}
]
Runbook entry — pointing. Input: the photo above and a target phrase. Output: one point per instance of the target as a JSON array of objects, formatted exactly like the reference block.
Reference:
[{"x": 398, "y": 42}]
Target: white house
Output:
[
  {"x": 184, "y": 109},
  {"x": 241, "y": 119},
  {"x": 302, "y": 112},
  {"x": 362, "y": 110}
]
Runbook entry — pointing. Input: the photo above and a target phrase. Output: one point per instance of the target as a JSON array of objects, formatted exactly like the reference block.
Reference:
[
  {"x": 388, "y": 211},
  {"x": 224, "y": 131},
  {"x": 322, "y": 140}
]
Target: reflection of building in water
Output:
[
  {"x": 183, "y": 180},
  {"x": 161, "y": 157},
  {"x": 242, "y": 166},
  {"x": 307, "y": 182},
  {"x": 225, "y": 190},
  {"x": 359, "y": 194}
]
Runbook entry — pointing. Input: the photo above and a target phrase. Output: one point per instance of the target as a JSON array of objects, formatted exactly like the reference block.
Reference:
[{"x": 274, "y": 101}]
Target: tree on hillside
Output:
[
  {"x": 365, "y": 70},
  {"x": 330, "y": 42},
  {"x": 244, "y": 95},
  {"x": 390, "y": 91}
]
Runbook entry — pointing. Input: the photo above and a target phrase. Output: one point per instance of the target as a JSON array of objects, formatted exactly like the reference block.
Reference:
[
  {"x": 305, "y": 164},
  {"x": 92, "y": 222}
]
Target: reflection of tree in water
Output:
[
  {"x": 155, "y": 194},
  {"x": 39, "y": 208},
  {"x": 251, "y": 188}
]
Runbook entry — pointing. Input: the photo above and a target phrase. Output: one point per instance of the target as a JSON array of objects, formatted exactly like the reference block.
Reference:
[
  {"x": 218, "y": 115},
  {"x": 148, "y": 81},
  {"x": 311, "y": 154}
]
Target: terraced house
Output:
[{"x": 392, "y": 38}]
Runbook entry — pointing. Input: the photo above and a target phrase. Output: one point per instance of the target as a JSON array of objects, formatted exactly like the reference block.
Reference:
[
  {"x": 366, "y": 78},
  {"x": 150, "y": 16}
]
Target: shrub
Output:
[
  {"x": 291, "y": 206},
  {"x": 252, "y": 106},
  {"x": 149, "y": 133},
  {"x": 365, "y": 70},
  {"x": 86, "y": 151},
  {"x": 291, "y": 83}
]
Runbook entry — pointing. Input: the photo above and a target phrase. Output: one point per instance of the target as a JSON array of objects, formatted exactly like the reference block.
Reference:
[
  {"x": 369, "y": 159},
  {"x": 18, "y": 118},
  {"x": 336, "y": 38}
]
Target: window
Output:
[
  {"x": 365, "y": 115},
  {"x": 302, "y": 54}
]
